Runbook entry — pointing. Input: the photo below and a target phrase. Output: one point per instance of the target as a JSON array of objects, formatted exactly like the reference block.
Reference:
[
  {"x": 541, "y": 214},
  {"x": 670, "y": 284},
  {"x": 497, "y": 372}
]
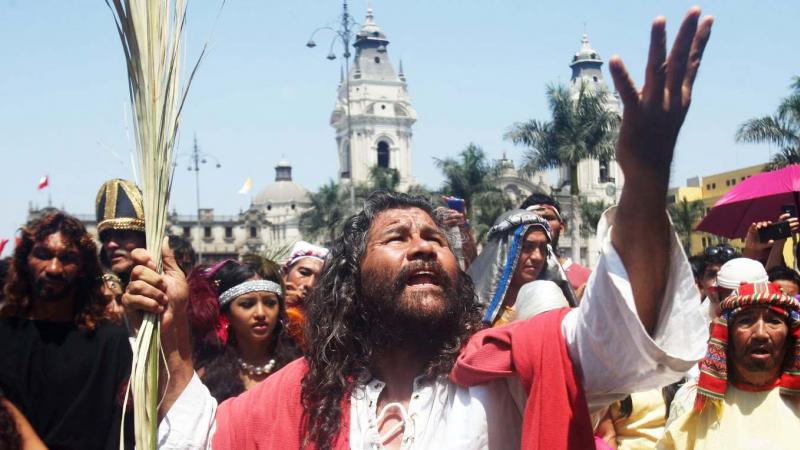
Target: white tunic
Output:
[{"x": 607, "y": 343}]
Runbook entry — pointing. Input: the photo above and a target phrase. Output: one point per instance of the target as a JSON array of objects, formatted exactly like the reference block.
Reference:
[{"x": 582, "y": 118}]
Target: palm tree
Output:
[
  {"x": 590, "y": 216},
  {"x": 383, "y": 178},
  {"x": 685, "y": 214},
  {"x": 581, "y": 128},
  {"x": 487, "y": 207},
  {"x": 781, "y": 129},
  {"x": 467, "y": 176},
  {"x": 329, "y": 209}
]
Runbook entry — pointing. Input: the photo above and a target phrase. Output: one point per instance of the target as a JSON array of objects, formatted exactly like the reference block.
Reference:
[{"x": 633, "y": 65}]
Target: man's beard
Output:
[
  {"x": 50, "y": 289},
  {"x": 409, "y": 319}
]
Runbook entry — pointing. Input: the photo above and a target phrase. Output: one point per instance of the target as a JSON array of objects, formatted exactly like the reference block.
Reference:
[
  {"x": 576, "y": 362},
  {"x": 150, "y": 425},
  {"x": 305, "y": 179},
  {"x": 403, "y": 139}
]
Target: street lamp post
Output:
[
  {"x": 344, "y": 34},
  {"x": 196, "y": 158}
]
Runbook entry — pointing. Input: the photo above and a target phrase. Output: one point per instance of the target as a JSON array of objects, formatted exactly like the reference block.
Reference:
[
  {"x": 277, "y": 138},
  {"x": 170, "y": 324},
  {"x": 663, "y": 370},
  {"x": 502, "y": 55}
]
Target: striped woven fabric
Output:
[{"x": 714, "y": 371}]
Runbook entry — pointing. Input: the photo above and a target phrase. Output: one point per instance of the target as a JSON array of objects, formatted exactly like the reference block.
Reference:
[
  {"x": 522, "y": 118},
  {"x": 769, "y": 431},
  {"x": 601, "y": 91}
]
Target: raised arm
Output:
[
  {"x": 651, "y": 121},
  {"x": 165, "y": 294}
]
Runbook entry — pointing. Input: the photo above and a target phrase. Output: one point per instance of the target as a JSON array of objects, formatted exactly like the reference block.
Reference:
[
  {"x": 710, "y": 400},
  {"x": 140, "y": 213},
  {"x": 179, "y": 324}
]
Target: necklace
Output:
[{"x": 256, "y": 370}]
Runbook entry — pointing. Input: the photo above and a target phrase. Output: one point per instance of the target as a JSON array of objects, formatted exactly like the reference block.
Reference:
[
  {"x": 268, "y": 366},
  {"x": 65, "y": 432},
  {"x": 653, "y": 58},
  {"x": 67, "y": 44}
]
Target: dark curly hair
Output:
[
  {"x": 218, "y": 360},
  {"x": 339, "y": 332},
  {"x": 90, "y": 303}
]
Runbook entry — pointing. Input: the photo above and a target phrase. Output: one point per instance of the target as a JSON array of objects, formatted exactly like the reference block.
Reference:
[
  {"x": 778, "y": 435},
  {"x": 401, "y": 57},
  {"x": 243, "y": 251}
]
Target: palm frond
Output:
[
  {"x": 151, "y": 33},
  {"x": 767, "y": 129}
]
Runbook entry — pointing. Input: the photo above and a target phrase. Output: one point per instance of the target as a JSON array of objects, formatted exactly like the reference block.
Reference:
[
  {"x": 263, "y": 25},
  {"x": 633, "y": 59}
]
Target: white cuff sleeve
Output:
[
  {"x": 607, "y": 342},
  {"x": 189, "y": 424}
]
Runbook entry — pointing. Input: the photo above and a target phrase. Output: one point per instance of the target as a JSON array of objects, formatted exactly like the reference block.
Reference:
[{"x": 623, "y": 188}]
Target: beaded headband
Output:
[{"x": 247, "y": 287}]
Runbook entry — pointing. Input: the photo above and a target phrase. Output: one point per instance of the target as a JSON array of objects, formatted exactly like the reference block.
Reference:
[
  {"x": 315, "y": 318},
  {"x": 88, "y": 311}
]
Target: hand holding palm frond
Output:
[{"x": 151, "y": 33}]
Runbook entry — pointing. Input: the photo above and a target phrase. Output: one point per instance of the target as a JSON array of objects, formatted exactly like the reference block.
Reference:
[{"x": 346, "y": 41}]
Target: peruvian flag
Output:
[
  {"x": 3, "y": 243},
  {"x": 44, "y": 182}
]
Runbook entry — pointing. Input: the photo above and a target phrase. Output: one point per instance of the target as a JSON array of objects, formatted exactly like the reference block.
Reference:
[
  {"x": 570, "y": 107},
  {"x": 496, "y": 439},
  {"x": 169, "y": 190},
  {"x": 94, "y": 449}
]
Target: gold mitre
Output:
[{"x": 119, "y": 206}]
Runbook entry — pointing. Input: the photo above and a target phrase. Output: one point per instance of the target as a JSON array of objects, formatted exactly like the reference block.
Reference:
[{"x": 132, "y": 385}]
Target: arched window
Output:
[{"x": 383, "y": 154}]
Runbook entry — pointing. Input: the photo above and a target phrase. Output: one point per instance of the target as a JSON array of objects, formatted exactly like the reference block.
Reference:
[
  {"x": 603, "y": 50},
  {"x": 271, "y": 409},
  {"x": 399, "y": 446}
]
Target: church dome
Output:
[
  {"x": 283, "y": 190},
  {"x": 586, "y": 52}
]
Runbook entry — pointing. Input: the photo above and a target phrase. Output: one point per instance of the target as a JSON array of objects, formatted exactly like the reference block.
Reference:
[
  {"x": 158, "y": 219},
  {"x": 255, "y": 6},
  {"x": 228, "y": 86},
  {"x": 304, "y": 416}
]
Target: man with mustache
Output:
[
  {"x": 120, "y": 225},
  {"x": 395, "y": 358},
  {"x": 301, "y": 270},
  {"x": 62, "y": 362},
  {"x": 748, "y": 394}
]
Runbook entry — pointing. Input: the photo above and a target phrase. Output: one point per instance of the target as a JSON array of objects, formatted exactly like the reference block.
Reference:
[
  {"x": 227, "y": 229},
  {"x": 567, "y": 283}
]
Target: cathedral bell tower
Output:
[
  {"x": 378, "y": 131},
  {"x": 597, "y": 180}
]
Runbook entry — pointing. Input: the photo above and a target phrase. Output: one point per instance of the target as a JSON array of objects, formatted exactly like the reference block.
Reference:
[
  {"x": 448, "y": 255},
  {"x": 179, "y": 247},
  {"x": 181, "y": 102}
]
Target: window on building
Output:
[
  {"x": 293, "y": 206},
  {"x": 207, "y": 232},
  {"x": 253, "y": 232},
  {"x": 187, "y": 231},
  {"x": 269, "y": 207},
  {"x": 383, "y": 154},
  {"x": 713, "y": 185},
  {"x": 727, "y": 182},
  {"x": 377, "y": 60},
  {"x": 383, "y": 106},
  {"x": 228, "y": 232},
  {"x": 595, "y": 79}
]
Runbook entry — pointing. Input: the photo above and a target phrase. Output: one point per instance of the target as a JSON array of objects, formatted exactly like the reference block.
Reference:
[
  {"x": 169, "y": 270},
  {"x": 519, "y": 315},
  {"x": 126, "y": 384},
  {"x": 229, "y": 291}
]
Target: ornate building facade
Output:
[
  {"x": 377, "y": 131},
  {"x": 272, "y": 220}
]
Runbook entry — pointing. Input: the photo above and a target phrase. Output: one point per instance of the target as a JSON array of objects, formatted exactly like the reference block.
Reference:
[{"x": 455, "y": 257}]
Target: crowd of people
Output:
[{"x": 390, "y": 340}]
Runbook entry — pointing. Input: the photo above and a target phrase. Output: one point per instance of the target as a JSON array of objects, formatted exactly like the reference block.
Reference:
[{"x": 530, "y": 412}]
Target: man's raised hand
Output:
[
  {"x": 149, "y": 291},
  {"x": 653, "y": 116}
]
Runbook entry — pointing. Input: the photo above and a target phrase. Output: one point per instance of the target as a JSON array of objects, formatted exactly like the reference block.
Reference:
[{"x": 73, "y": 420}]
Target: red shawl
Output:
[
  {"x": 556, "y": 416},
  {"x": 270, "y": 416}
]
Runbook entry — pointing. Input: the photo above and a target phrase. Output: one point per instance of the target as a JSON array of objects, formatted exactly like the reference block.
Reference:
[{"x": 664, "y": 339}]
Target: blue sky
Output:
[{"x": 473, "y": 68}]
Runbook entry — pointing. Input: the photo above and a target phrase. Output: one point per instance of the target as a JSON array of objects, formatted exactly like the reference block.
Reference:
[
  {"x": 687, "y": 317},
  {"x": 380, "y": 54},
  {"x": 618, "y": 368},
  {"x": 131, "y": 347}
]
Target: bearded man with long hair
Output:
[
  {"x": 395, "y": 358},
  {"x": 63, "y": 363}
]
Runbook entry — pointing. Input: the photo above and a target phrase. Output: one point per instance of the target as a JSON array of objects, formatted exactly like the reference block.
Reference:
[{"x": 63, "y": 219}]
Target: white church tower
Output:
[
  {"x": 597, "y": 180},
  {"x": 381, "y": 115}
]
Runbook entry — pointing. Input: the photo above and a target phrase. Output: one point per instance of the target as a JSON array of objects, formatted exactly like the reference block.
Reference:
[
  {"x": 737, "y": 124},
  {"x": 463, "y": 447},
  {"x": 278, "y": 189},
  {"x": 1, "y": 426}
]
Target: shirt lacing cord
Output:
[{"x": 404, "y": 418}]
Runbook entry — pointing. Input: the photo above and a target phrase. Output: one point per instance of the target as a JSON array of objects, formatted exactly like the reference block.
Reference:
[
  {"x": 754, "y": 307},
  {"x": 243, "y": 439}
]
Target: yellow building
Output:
[{"x": 709, "y": 189}]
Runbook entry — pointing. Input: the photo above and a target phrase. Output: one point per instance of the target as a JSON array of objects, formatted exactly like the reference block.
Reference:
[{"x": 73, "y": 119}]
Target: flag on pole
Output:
[
  {"x": 248, "y": 184},
  {"x": 44, "y": 182},
  {"x": 3, "y": 243}
]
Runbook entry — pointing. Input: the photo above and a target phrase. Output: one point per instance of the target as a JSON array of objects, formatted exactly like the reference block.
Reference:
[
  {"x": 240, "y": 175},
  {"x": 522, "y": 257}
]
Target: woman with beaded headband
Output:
[{"x": 238, "y": 321}]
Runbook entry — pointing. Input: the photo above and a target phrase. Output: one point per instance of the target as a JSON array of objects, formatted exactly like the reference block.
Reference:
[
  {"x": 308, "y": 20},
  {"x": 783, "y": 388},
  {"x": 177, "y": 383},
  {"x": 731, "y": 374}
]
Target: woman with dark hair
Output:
[{"x": 238, "y": 324}]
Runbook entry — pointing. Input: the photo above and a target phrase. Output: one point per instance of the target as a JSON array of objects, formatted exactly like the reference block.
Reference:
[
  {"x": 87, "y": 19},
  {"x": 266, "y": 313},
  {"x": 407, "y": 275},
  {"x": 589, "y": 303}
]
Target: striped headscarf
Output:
[{"x": 714, "y": 371}]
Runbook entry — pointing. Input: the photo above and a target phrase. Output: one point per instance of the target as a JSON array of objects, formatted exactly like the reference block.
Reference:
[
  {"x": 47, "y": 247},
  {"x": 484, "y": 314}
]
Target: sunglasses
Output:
[{"x": 720, "y": 249}]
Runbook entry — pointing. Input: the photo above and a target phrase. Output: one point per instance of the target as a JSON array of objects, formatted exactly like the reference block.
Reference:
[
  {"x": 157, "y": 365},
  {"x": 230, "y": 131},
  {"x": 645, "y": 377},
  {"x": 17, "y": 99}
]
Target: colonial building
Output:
[
  {"x": 272, "y": 220},
  {"x": 377, "y": 131}
]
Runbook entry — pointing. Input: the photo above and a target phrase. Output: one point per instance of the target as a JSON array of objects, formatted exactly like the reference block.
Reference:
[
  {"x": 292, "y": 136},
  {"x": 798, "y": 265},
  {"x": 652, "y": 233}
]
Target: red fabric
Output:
[
  {"x": 3, "y": 243},
  {"x": 270, "y": 416},
  {"x": 556, "y": 415},
  {"x": 577, "y": 275}
]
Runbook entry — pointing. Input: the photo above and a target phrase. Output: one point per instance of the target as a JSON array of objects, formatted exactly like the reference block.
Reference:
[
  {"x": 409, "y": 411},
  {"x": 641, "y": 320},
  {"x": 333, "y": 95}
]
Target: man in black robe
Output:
[{"x": 62, "y": 363}]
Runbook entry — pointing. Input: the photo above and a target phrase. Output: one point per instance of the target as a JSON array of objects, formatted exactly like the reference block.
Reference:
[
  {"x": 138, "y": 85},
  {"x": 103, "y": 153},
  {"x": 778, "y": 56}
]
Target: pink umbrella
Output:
[{"x": 755, "y": 199}]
